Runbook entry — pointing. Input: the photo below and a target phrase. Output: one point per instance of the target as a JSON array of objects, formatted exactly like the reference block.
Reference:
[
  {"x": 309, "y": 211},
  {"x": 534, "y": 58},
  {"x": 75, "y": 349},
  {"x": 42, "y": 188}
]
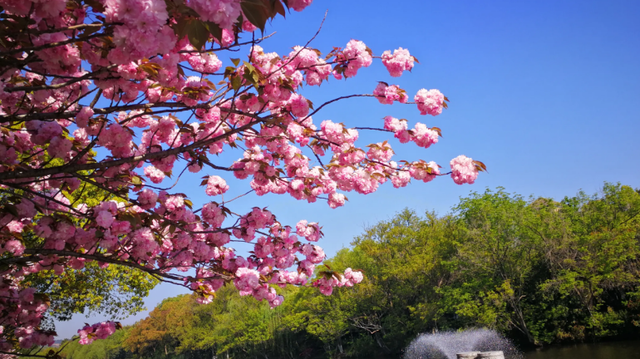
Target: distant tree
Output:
[{"x": 592, "y": 249}]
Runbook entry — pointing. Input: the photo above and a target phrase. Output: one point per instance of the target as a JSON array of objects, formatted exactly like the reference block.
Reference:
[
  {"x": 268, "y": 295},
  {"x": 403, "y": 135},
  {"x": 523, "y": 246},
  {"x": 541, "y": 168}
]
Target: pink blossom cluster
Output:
[
  {"x": 147, "y": 199},
  {"x": 421, "y": 134},
  {"x": 423, "y": 171},
  {"x": 22, "y": 310},
  {"x": 144, "y": 31},
  {"x": 299, "y": 5},
  {"x": 386, "y": 94},
  {"x": 328, "y": 282},
  {"x": 424, "y": 136},
  {"x": 429, "y": 102},
  {"x": 216, "y": 186},
  {"x": 203, "y": 62},
  {"x": 355, "y": 55},
  {"x": 96, "y": 331},
  {"x": 397, "y": 62},
  {"x": 310, "y": 231},
  {"x": 43, "y": 9},
  {"x": 463, "y": 170},
  {"x": 380, "y": 151},
  {"x": 213, "y": 215},
  {"x": 315, "y": 68},
  {"x": 222, "y": 12}
]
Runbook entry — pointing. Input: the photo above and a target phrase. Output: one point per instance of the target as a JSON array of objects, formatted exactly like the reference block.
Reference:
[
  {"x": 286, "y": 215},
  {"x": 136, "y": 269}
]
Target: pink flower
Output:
[
  {"x": 222, "y": 12},
  {"x": 399, "y": 127},
  {"x": 26, "y": 209},
  {"x": 299, "y": 5},
  {"x": 104, "y": 219},
  {"x": 353, "y": 277},
  {"x": 154, "y": 174},
  {"x": 216, "y": 185},
  {"x": 357, "y": 55},
  {"x": 386, "y": 94},
  {"x": 147, "y": 199},
  {"x": 174, "y": 203},
  {"x": 400, "y": 61},
  {"x": 248, "y": 26},
  {"x": 401, "y": 179},
  {"x": 14, "y": 246},
  {"x": 59, "y": 147},
  {"x": 381, "y": 151},
  {"x": 27, "y": 294},
  {"x": 395, "y": 125},
  {"x": 302, "y": 58},
  {"x": 424, "y": 136},
  {"x": 97, "y": 331},
  {"x": 82, "y": 118},
  {"x": 463, "y": 170},
  {"x": 318, "y": 73},
  {"x": 278, "y": 300},
  {"x": 219, "y": 238},
  {"x": 213, "y": 214},
  {"x": 105, "y": 329},
  {"x": 425, "y": 172},
  {"x": 86, "y": 335},
  {"x": 336, "y": 200},
  {"x": 207, "y": 62},
  {"x": 298, "y": 105},
  {"x": 247, "y": 279},
  {"x": 313, "y": 253},
  {"x": 15, "y": 226},
  {"x": 310, "y": 231},
  {"x": 429, "y": 102}
]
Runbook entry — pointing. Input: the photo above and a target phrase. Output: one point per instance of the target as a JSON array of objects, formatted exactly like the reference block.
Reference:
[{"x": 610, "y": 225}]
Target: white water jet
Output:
[{"x": 446, "y": 345}]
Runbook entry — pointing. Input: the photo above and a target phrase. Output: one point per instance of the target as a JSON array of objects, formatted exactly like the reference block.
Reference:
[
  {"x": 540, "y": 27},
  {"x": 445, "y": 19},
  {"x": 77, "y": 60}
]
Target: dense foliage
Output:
[{"x": 540, "y": 271}]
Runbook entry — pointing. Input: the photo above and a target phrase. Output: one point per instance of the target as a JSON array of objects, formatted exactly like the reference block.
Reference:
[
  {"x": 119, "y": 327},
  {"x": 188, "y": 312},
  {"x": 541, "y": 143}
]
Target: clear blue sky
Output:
[{"x": 545, "y": 93}]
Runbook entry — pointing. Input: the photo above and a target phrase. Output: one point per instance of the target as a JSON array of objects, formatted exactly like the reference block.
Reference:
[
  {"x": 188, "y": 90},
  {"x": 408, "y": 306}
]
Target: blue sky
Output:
[{"x": 545, "y": 93}]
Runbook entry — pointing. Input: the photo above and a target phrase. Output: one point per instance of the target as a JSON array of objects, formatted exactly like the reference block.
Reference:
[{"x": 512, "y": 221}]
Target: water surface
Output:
[{"x": 611, "y": 350}]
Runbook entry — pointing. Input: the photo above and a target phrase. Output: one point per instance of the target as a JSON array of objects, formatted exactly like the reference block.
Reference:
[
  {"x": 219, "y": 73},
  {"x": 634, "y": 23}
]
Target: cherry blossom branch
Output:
[
  {"x": 372, "y": 129},
  {"x": 334, "y": 100},
  {"x": 256, "y": 41},
  {"x": 52, "y": 44},
  {"x": 105, "y": 259},
  {"x": 60, "y": 85},
  {"x": 75, "y": 27}
]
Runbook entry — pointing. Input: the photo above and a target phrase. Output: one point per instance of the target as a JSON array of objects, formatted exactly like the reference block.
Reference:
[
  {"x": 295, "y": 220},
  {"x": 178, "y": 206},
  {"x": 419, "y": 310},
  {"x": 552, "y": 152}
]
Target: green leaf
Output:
[
  {"x": 198, "y": 34},
  {"x": 256, "y": 12},
  {"x": 214, "y": 29},
  {"x": 236, "y": 82},
  {"x": 180, "y": 27},
  {"x": 136, "y": 180},
  {"x": 249, "y": 77},
  {"x": 248, "y": 66},
  {"x": 278, "y": 8}
]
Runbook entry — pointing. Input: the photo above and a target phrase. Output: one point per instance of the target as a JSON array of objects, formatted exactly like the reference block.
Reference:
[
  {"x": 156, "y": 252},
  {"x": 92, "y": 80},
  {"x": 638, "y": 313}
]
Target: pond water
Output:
[{"x": 610, "y": 350}]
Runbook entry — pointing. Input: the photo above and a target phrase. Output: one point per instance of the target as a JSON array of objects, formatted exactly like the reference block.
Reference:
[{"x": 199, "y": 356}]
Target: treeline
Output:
[{"x": 539, "y": 271}]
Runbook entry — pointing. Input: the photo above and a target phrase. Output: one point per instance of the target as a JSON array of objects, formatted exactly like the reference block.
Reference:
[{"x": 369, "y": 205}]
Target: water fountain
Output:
[{"x": 446, "y": 345}]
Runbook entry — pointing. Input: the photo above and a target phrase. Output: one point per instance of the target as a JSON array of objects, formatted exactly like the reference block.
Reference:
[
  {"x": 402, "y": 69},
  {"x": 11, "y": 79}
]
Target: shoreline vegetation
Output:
[{"x": 539, "y": 271}]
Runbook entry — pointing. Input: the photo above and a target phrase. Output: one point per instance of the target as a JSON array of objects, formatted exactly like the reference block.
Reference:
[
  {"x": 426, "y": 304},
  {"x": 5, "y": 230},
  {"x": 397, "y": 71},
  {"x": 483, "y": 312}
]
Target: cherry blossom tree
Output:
[{"x": 115, "y": 96}]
